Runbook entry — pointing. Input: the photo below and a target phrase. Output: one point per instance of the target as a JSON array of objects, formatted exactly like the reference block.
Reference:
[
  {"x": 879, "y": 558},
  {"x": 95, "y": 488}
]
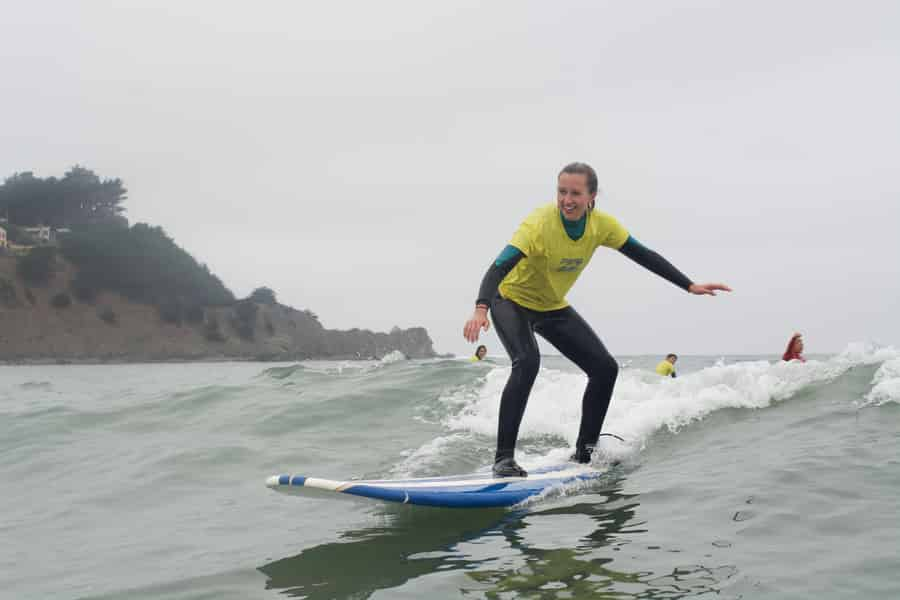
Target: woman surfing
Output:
[{"x": 525, "y": 288}]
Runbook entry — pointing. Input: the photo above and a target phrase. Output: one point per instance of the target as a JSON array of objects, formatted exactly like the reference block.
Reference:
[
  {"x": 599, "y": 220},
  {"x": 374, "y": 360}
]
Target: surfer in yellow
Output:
[
  {"x": 525, "y": 291},
  {"x": 666, "y": 368},
  {"x": 480, "y": 353}
]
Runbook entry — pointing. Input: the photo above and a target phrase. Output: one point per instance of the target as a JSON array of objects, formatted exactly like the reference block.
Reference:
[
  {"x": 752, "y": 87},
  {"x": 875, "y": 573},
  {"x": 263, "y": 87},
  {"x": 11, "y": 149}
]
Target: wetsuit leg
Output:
[
  {"x": 514, "y": 328},
  {"x": 574, "y": 338}
]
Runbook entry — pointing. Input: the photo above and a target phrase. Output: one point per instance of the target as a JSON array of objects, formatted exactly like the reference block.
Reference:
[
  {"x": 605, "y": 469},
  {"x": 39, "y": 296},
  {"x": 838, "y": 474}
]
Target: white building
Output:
[{"x": 41, "y": 233}]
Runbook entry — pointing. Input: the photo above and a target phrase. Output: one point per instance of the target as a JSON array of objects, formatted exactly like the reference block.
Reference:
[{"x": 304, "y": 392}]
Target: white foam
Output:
[
  {"x": 392, "y": 357},
  {"x": 866, "y": 353},
  {"x": 885, "y": 384},
  {"x": 644, "y": 402},
  {"x": 424, "y": 459},
  {"x": 352, "y": 367}
]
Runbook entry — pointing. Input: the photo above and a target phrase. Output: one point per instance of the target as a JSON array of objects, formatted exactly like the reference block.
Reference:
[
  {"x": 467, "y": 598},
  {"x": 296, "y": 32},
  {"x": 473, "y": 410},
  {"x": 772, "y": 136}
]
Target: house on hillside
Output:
[{"x": 41, "y": 233}]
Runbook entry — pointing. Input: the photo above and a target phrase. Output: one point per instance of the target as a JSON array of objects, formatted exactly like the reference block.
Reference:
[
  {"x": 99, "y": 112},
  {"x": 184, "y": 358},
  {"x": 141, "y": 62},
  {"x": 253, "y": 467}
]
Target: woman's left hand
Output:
[{"x": 708, "y": 289}]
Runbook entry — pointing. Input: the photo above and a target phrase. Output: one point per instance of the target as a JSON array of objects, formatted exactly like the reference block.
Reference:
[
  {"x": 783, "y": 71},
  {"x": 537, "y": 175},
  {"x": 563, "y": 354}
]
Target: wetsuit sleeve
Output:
[
  {"x": 652, "y": 261},
  {"x": 499, "y": 269}
]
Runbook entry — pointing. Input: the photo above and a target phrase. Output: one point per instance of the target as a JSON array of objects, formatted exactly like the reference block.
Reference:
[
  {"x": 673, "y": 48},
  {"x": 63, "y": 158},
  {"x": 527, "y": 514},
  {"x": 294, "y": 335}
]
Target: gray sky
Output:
[{"x": 367, "y": 160}]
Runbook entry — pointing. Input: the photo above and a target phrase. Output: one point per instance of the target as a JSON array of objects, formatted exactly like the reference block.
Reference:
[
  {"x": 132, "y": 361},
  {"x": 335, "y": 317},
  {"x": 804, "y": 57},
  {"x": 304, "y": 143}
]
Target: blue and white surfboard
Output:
[{"x": 478, "y": 490}]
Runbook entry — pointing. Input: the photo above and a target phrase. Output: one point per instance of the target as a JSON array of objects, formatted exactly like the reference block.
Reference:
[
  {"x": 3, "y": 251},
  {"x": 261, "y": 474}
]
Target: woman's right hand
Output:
[{"x": 474, "y": 325}]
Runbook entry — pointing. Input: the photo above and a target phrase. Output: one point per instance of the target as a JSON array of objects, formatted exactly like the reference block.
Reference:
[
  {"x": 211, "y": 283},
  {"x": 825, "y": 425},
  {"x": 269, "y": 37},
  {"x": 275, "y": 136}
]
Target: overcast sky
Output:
[{"x": 368, "y": 160}]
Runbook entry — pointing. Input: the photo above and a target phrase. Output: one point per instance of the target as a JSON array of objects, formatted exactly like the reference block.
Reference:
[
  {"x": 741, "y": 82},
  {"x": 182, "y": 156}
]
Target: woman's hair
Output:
[
  {"x": 789, "y": 352},
  {"x": 478, "y": 349},
  {"x": 580, "y": 168}
]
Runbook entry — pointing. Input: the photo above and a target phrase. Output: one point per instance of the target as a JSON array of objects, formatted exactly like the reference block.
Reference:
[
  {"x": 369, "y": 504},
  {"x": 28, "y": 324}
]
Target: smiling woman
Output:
[{"x": 525, "y": 288}]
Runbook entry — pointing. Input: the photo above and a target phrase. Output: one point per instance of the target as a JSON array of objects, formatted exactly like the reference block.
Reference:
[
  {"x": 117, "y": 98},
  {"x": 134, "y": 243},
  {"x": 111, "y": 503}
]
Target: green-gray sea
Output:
[{"x": 745, "y": 477}]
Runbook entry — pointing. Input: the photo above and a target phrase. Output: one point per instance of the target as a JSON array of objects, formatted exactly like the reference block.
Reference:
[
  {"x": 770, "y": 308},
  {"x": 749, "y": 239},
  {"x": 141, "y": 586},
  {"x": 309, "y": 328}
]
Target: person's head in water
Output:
[
  {"x": 794, "y": 348},
  {"x": 576, "y": 190},
  {"x": 672, "y": 358},
  {"x": 481, "y": 352}
]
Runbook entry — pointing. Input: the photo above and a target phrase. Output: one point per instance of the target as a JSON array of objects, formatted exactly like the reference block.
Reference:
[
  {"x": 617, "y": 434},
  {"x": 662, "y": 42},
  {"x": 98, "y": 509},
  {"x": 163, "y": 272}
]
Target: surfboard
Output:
[{"x": 477, "y": 490}]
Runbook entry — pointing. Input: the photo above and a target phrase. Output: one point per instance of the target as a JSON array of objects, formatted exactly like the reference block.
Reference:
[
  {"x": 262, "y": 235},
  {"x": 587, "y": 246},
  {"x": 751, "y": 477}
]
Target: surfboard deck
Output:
[{"x": 476, "y": 490}]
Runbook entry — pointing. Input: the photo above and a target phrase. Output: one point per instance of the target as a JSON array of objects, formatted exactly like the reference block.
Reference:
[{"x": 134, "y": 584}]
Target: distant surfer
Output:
[
  {"x": 794, "y": 349},
  {"x": 666, "y": 368},
  {"x": 525, "y": 289},
  {"x": 480, "y": 353}
]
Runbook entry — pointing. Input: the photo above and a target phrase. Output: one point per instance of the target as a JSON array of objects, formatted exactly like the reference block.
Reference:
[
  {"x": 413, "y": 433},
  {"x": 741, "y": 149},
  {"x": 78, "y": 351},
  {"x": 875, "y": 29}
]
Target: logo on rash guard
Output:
[{"x": 570, "y": 264}]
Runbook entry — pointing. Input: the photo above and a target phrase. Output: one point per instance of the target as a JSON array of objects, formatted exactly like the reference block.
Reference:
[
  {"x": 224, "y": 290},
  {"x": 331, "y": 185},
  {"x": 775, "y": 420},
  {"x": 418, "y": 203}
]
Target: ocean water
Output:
[{"x": 743, "y": 478}]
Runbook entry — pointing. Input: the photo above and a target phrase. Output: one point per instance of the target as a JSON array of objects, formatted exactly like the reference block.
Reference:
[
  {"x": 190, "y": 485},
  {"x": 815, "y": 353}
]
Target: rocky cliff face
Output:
[{"x": 113, "y": 328}]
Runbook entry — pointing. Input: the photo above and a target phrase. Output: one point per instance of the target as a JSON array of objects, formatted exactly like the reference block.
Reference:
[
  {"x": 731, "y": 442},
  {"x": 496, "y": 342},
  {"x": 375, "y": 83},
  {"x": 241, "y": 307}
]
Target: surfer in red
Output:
[{"x": 794, "y": 349}]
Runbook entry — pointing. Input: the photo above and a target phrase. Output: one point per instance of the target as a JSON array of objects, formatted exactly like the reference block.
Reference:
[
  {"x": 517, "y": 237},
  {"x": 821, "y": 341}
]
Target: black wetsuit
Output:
[{"x": 568, "y": 333}]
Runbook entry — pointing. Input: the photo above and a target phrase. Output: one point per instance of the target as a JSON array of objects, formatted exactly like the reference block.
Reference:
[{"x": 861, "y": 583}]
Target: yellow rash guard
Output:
[
  {"x": 665, "y": 368},
  {"x": 553, "y": 261}
]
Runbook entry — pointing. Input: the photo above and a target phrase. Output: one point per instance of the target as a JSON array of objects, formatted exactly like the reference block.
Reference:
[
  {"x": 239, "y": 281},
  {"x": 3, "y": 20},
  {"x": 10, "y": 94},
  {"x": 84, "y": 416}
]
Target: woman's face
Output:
[
  {"x": 798, "y": 345},
  {"x": 572, "y": 196},
  {"x": 482, "y": 352}
]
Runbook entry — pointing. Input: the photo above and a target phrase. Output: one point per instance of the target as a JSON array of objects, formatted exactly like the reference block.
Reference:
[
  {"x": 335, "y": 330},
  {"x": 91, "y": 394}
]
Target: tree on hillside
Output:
[
  {"x": 28, "y": 200},
  {"x": 88, "y": 199},
  {"x": 263, "y": 295},
  {"x": 79, "y": 198},
  {"x": 143, "y": 264}
]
